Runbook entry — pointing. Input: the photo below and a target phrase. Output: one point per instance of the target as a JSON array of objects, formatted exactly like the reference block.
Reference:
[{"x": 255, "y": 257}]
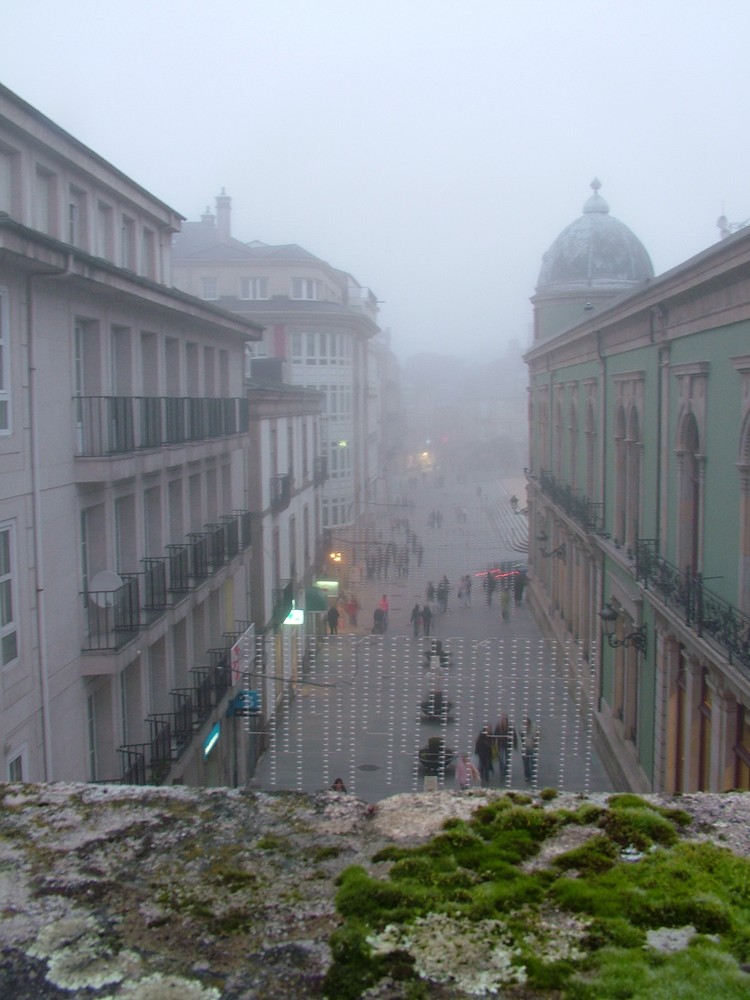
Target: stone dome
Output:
[{"x": 595, "y": 252}]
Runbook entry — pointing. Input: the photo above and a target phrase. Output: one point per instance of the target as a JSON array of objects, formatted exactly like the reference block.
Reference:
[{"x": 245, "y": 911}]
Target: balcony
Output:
[
  {"x": 702, "y": 611},
  {"x": 114, "y": 617},
  {"x": 282, "y": 602},
  {"x": 320, "y": 471},
  {"x": 171, "y": 733},
  {"x": 108, "y": 426},
  {"x": 579, "y": 508},
  {"x": 281, "y": 492}
]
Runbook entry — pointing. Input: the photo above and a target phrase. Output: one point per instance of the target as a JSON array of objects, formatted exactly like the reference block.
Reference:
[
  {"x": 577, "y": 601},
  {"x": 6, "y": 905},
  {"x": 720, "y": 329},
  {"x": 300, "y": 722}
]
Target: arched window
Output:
[
  {"x": 557, "y": 444},
  {"x": 573, "y": 439},
  {"x": 632, "y": 475},
  {"x": 590, "y": 452},
  {"x": 543, "y": 431},
  {"x": 690, "y": 516},
  {"x": 620, "y": 475}
]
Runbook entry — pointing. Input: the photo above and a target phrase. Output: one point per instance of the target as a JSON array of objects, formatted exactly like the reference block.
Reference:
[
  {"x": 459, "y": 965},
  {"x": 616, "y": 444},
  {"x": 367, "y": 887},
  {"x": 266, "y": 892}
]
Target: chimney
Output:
[
  {"x": 223, "y": 216},
  {"x": 208, "y": 218}
]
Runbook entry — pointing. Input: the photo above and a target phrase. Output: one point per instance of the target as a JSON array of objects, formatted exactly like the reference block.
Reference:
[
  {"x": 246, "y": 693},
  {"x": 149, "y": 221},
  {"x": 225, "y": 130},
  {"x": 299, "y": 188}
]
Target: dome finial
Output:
[{"x": 595, "y": 203}]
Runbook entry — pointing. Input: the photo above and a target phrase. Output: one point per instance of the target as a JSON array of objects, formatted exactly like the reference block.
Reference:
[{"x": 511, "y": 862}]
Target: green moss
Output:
[
  {"x": 472, "y": 870},
  {"x": 639, "y": 826},
  {"x": 588, "y": 814},
  {"x": 597, "y": 855},
  {"x": 377, "y": 902},
  {"x": 697, "y": 973},
  {"x": 272, "y": 842},
  {"x": 325, "y": 852},
  {"x": 547, "y": 794}
]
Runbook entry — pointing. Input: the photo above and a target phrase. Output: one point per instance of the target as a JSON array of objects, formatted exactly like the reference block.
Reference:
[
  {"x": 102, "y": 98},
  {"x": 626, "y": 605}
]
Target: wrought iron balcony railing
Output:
[
  {"x": 281, "y": 491},
  {"x": 113, "y": 618},
  {"x": 699, "y": 608},
  {"x": 282, "y": 601},
  {"x": 320, "y": 470},
  {"x": 119, "y": 425},
  {"x": 172, "y": 732},
  {"x": 584, "y": 512}
]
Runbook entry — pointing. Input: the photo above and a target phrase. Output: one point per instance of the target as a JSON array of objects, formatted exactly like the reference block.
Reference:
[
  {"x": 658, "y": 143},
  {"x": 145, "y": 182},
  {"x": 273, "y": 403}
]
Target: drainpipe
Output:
[{"x": 36, "y": 508}]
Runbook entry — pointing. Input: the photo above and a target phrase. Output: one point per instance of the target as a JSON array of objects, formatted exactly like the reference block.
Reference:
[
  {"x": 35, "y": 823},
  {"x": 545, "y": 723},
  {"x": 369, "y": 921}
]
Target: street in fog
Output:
[{"x": 357, "y": 715}]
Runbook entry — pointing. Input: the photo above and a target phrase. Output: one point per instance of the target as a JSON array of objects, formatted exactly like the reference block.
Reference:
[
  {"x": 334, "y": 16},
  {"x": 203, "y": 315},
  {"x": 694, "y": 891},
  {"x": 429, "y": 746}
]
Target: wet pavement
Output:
[{"x": 358, "y": 714}]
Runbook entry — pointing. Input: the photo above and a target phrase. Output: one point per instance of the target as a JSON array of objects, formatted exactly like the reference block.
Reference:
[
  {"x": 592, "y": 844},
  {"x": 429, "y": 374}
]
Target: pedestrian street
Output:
[{"x": 359, "y": 713}]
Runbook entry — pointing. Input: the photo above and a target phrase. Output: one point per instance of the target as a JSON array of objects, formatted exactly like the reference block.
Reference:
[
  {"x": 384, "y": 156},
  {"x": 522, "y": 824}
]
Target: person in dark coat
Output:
[
  {"x": 333, "y": 619},
  {"x": 426, "y": 619},
  {"x": 416, "y": 619},
  {"x": 483, "y": 750}
]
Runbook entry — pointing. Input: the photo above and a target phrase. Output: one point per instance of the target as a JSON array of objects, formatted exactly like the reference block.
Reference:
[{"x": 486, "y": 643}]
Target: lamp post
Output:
[{"x": 635, "y": 639}]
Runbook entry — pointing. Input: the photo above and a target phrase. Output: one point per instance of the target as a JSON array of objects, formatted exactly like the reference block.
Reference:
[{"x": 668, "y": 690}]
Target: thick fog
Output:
[{"x": 433, "y": 149}]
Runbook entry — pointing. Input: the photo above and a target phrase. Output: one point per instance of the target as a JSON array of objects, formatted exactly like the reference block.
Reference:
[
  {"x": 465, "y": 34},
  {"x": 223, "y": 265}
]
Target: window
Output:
[
  {"x": 91, "y": 726},
  {"x": 104, "y": 231},
  {"x": 253, "y": 288},
  {"x": 323, "y": 353},
  {"x": 8, "y": 625},
  {"x": 149, "y": 253},
  {"x": 76, "y": 217},
  {"x": 44, "y": 201},
  {"x": 4, "y": 366},
  {"x": 127, "y": 243},
  {"x": 15, "y": 768},
  {"x": 297, "y": 348},
  {"x": 305, "y": 288},
  {"x": 6, "y": 182},
  {"x": 210, "y": 288},
  {"x": 310, "y": 359}
]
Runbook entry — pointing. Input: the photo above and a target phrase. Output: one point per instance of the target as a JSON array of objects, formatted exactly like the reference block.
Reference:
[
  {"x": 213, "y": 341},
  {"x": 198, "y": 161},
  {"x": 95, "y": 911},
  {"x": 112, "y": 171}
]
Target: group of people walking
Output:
[{"x": 495, "y": 746}]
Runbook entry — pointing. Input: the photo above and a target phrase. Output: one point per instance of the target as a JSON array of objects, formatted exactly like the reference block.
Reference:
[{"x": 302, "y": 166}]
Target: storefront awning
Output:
[{"x": 315, "y": 599}]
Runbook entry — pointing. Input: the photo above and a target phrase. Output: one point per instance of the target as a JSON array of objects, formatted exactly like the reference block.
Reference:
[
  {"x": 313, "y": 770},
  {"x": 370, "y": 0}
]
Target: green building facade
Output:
[{"x": 639, "y": 497}]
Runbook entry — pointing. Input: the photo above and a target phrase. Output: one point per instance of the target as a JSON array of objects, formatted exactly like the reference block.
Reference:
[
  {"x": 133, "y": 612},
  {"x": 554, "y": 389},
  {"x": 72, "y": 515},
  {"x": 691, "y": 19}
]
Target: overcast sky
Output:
[{"x": 433, "y": 149}]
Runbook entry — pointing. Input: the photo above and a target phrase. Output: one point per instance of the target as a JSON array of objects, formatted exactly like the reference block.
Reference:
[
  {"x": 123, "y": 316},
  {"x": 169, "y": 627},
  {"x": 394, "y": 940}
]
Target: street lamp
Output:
[
  {"x": 558, "y": 553},
  {"x": 636, "y": 638}
]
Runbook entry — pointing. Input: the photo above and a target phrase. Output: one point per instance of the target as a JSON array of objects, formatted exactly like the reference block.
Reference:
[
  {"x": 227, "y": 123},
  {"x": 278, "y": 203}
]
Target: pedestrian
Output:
[
  {"x": 489, "y": 586},
  {"x": 352, "y": 609},
  {"x": 529, "y": 748},
  {"x": 378, "y": 621},
  {"x": 426, "y": 619},
  {"x": 506, "y": 739},
  {"x": 333, "y": 619},
  {"x": 505, "y": 603},
  {"x": 439, "y": 598},
  {"x": 385, "y": 608},
  {"x": 430, "y": 594},
  {"x": 466, "y": 773},
  {"x": 483, "y": 750},
  {"x": 519, "y": 583},
  {"x": 416, "y": 619},
  {"x": 467, "y": 589}
]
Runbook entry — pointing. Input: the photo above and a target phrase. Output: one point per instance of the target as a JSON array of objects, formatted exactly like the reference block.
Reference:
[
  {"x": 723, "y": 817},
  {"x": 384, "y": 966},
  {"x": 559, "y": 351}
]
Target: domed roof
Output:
[{"x": 595, "y": 251}]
